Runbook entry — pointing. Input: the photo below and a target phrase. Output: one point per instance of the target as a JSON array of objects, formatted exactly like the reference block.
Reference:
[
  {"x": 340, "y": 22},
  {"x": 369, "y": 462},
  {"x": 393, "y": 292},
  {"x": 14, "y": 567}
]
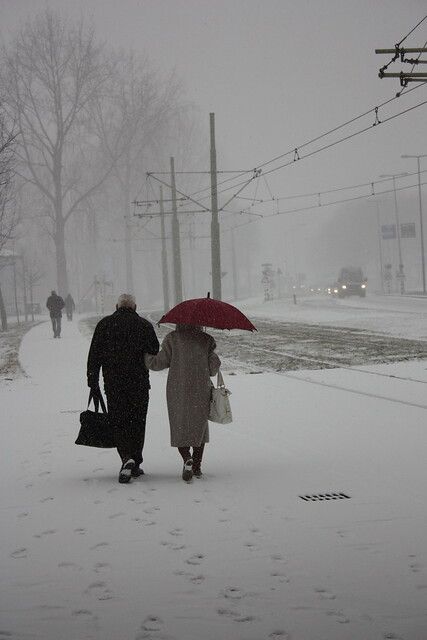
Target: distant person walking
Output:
[
  {"x": 118, "y": 346},
  {"x": 189, "y": 353},
  {"x": 69, "y": 306},
  {"x": 55, "y": 304}
]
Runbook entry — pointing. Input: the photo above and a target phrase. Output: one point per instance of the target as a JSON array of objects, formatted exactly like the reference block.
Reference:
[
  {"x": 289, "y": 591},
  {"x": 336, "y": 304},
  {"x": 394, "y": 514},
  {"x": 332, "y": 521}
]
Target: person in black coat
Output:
[
  {"x": 118, "y": 347},
  {"x": 55, "y": 304}
]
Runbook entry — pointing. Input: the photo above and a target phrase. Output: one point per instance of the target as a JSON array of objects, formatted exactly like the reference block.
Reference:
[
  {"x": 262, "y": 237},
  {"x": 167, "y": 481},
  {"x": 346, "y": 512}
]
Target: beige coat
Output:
[{"x": 189, "y": 353}]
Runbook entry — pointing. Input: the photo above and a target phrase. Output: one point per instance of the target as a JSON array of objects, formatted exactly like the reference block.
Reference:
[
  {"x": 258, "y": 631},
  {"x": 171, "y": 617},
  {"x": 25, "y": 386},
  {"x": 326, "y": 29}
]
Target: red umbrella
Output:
[{"x": 207, "y": 312}]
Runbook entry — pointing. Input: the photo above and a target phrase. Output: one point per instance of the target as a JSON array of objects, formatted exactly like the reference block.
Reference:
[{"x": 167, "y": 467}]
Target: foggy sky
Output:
[{"x": 276, "y": 73}]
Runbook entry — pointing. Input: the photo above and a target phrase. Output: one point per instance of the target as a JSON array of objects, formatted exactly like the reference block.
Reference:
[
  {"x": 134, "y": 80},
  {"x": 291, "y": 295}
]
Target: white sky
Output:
[{"x": 276, "y": 73}]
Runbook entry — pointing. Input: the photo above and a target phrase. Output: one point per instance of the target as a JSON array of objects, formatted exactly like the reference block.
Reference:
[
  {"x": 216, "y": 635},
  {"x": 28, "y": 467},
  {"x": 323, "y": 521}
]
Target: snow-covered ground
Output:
[
  {"x": 237, "y": 555},
  {"x": 401, "y": 316}
]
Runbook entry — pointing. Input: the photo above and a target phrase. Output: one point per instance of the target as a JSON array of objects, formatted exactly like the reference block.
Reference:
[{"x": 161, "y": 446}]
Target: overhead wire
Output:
[{"x": 313, "y": 140}]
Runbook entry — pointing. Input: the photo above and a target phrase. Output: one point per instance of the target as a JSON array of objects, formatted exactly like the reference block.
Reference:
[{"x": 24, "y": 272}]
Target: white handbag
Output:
[{"x": 219, "y": 407}]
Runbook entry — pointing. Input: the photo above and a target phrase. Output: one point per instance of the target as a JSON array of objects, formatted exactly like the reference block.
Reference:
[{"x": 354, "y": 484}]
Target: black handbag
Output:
[{"x": 95, "y": 428}]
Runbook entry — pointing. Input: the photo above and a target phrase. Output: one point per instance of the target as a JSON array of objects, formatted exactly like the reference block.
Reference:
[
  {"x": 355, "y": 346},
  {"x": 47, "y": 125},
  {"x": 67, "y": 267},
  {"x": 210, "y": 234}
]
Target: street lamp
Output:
[
  {"x": 400, "y": 273},
  {"x": 421, "y": 218}
]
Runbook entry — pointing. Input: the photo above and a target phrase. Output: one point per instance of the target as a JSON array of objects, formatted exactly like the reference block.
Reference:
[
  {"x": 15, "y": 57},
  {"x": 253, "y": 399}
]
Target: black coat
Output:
[
  {"x": 55, "y": 304},
  {"x": 69, "y": 303},
  {"x": 118, "y": 346}
]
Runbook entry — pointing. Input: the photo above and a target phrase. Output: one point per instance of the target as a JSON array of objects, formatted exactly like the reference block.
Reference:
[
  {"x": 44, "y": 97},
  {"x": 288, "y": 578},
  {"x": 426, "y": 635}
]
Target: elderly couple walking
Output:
[{"x": 125, "y": 346}]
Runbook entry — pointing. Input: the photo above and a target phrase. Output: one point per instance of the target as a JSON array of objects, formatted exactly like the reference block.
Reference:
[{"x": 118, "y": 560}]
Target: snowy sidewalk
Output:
[{"x": 234, "y": 556}]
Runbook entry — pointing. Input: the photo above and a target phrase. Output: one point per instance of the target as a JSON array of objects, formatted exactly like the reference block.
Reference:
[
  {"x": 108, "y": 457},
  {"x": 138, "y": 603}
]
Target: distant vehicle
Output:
[{"x": 351, "y": 282}]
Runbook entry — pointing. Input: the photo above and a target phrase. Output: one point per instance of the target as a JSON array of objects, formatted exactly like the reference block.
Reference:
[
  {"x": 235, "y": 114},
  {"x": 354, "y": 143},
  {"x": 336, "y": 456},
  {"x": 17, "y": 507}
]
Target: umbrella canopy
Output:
[{"x": 207, "y": 312}]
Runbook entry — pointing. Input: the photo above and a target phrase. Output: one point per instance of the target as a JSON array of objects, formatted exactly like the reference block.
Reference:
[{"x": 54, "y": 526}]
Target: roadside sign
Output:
[
  {"x": 388, "y": 231},
  {"x": 407, "y": 230}
]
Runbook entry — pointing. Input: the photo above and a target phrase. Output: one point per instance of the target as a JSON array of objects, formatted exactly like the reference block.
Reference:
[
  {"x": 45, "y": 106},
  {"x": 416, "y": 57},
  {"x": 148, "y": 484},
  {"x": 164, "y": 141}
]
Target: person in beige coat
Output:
[{"x": 189, "y": 354}]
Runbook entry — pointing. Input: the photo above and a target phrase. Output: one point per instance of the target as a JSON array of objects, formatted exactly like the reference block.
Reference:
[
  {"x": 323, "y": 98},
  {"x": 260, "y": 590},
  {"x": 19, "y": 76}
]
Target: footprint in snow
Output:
[
  {"x": 415, "y": 566},
  {"x": 99, "y": 590},
  {"x": 82, "y": 613},
  {"x": 232, "y": 593},
  {"x": 325, "y": 595},
  {"x": 277, "y": 557},
  {"x": 44, "y": 473},
  {"x": 279, "y": 634},
  {"x": 392, "y": 636},
  {"x": 99, "y": 544},
  {"x": 197, "y": 579},
  {"x": 176, "y": 532},
  {"x": 339, "y": 616},
  {"x": 196, "y": 558},
  {"x": 99, "y": 566},
  {"x": 152, "y": 623},
  {"x": 47, "y": 499},
  {"x": 68, "y": 565},
  {"x": 229, "y": 613},
  {"x": 48, "y": 532},
  {"x": 19, "y": 553},
  {"x": 282, "y": 577},
  {"x": 80, "y": 530},
  {"x": 24, "y": 514},
  {"x": 116, "y": 515},
  {"x": 6, "y": 634},
  {"x": 250, "y": 545}
]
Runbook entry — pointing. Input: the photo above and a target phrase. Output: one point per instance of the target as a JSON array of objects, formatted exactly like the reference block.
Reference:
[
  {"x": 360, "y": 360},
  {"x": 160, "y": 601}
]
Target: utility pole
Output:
[
  {"x": 176, "y": 246},
  {"x": 233, "y": 264},
  {"x": 380, "y": 247},
  {"x": 423, "y": 266},
  {"x": 165, "y": 274},
  {"x": 215, "y": 235},
  {"x": 128, "y": 251},
  {"x": 400, "y": 272}
]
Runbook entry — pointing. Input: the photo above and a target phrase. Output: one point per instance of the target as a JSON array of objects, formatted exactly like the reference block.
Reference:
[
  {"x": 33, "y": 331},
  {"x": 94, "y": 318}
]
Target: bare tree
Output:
[
  {"x": 53, "y": 70},
  {"x": 8, "y": 218},
  {"x": 128, "y": 124}
]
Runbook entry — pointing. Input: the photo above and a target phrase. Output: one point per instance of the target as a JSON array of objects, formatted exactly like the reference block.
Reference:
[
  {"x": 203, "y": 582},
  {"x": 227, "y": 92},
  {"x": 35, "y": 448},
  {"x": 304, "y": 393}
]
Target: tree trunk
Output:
[
  {"x": 61, "y": 261},
  {"x": 3, "y": 315}
]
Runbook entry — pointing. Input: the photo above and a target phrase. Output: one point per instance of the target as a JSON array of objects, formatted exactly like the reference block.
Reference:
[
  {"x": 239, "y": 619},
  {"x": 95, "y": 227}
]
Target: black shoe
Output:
[
  {"x": 126, "y": 471},
  {"x": 187, "y": 472},
  {"x": 197, "y": 472},
  {"x": 136, "y": 472}
]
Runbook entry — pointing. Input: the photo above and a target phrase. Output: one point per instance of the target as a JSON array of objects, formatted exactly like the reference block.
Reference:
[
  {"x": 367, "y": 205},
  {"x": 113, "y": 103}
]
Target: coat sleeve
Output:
[
  {"x": 152, "y": 343},
  {"x": 213, "y": 361},
  {"x": 94, "y": 360},
  {"x": 162, "y": 360}
]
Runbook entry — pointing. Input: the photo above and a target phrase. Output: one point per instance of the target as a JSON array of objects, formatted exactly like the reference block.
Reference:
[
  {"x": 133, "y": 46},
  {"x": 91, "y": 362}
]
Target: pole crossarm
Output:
[
  {"x": 402, "y": 50},
  {"x": 158, "y": 214},
  {"x": 181, "y": 193},
  {"x": 402, "y": 74}
]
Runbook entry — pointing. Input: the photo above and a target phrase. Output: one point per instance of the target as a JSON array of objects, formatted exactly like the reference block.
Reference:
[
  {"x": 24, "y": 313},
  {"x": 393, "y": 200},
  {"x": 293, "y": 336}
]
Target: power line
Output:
[
  {"x": 328, "y": 204},
  {"x": 372, "y": 110},
  {"x": 411, "y": 31},
  {"x": 332, "y": 144},
  {"x": 371, "y": 184}
]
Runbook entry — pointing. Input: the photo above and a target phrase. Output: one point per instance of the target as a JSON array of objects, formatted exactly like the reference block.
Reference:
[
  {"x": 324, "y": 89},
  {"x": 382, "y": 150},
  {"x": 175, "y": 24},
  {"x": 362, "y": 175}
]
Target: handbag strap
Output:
[
  {"x": 220, "y": 380},
  {"x": 97, "y": 400}
]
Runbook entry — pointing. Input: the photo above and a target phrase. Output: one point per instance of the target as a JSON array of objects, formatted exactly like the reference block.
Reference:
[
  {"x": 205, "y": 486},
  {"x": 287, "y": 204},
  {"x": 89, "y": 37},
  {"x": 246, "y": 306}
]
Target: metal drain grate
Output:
[{"x": 317, "y": 497}]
